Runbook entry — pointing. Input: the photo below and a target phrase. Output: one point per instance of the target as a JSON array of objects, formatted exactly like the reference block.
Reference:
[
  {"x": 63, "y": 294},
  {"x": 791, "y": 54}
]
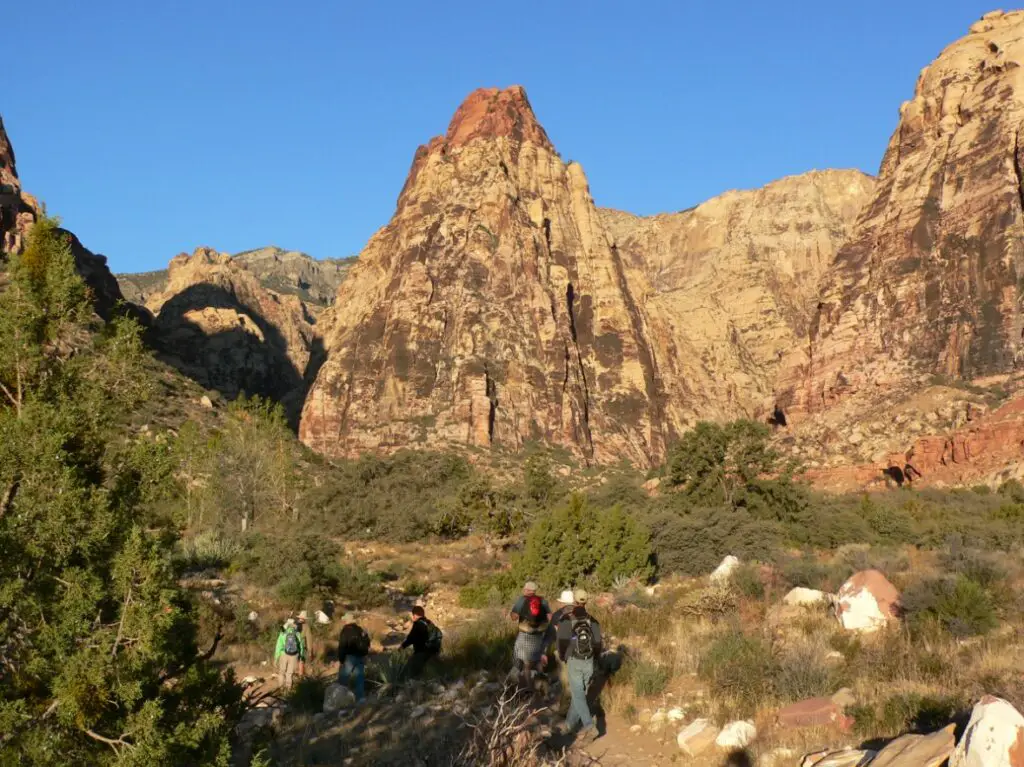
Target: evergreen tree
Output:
[{"x": 99, "y": 661}]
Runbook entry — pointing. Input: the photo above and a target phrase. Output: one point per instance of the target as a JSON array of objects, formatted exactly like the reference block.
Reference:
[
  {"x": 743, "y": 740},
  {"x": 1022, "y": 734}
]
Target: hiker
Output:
[
  {"x": 425, "y": 639},
  {"x": 532, "y": 612},
  {"x": 353, "y": 647},
  {"x": 579, "y": 647},
  {"x": 565, "y": 604},
  {"x": 290, "y": 652}
]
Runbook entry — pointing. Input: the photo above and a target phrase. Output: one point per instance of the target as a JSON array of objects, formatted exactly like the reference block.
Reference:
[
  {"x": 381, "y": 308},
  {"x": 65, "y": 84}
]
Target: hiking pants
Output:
[
  {"x": 353, "y": 671},
  {"x": 580, "y": 674},
  {"x": 287, "y": 665},
  {"x": 417, "y": 663}
]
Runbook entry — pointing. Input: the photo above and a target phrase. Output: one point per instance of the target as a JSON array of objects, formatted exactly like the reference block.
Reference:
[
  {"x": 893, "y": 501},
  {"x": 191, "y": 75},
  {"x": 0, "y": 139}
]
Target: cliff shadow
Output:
[{"x": 249, "y": 357}]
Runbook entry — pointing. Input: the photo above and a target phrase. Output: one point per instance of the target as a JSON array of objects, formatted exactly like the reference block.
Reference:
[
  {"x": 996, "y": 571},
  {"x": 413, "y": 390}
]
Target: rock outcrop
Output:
[
  {"x": 286, "y": 272},
  {"x": 929, "y": 283},
  {"x": 490, "y": 311},
  {"x": 994, "y": 736},
  {"x": 500, "y": 306},
  {"x": 19, "y": 211},
  {"x": 216, "y": 323},
  {"x": 730, "y": 286}
]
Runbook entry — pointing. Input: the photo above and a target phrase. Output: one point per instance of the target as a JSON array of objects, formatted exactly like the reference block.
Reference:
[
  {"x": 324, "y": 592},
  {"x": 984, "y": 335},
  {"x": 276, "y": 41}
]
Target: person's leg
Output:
[
  {"x": 580, "y": 673},
  {"x": 291, "y": 662},
  {"x": 415, "y": 665},
  {"x": 358, "y": 675},
  {"x": 344, "y": 673}
]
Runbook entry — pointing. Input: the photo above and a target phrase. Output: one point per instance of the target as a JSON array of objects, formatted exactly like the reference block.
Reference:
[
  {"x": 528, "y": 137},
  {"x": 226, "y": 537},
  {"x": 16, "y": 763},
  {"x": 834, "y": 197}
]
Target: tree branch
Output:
[
  {"x": 120, "y": 624},
  {"x": 14, "y": 400},
  {"x": 110, "y": 741},
  {"x": 213, "y": 648},
  {"x": 8, "y": 499}
]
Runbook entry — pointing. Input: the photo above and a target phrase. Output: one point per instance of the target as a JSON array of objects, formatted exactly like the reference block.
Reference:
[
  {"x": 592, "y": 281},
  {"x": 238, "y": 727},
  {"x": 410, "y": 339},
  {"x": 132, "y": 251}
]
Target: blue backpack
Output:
[{"x": 291, "y": 642}]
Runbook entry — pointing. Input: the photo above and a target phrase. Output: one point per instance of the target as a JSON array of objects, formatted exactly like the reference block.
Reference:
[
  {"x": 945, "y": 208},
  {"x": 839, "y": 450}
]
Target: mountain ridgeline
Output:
[{"x": 501, "y": 307}]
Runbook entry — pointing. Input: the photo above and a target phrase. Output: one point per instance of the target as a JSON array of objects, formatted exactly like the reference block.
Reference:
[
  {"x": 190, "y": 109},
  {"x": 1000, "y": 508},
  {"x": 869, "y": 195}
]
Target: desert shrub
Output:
[
  {"x": 578, "y": 543},
  {"x": 307, "y": 696},
  {"x": 360, "y": 587},
  {"x": 694, "y": 541},
  {"x": 416, "y": 587},
  {"x": 905, "y": 712},
  {"x": 982, "y": 567},
  {"x": 297, "y": 568},
  {"x": 810, "y": 572},
  {"x": 209, "y": 549},
  {"x": 746, "y": 580},
  {"x": 491, "y": 591},
  {"x": 960, "y": 605},
  {"x": 483, "y": 644},
  {"x": 649, "y": 679},
  {"x": 802, "y": 672},
  {"x": 741, "y": 668}
]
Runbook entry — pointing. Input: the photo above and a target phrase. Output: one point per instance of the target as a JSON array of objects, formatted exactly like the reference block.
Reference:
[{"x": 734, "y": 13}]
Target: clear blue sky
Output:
[{"x": 154, "y": 127}]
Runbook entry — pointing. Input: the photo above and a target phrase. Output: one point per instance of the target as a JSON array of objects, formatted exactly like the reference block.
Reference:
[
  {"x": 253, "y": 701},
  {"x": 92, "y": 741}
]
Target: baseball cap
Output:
[{"x": 579, "y": 596}]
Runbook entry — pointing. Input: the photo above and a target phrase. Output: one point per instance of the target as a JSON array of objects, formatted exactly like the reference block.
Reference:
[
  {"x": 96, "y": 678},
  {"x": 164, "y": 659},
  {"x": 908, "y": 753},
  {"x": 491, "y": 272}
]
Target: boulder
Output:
[
  {"x": 813, "y": 712},
  {"x": 723, "y": 573},
  {"x": 735, "y": 735},
  {"x": 338, "y": 698},
  {"x": 676, "y": 714},
  {"x": 697, "y": 737},
  {"x": 801, "y": 596},
  {"x": 994, "y": 736},
  {"x": 867, "y": 602},
  {"x": 918, "y": 750}
]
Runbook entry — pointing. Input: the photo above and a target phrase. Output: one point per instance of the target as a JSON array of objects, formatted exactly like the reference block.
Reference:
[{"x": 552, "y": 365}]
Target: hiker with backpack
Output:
[
  {"x": 290, "y": 652},
  {"x": 353, "y": 647},
  {"x": 532, "y": 613},
  {"x": 579, "y": 647},
  {"x": 425, "y": 639}
]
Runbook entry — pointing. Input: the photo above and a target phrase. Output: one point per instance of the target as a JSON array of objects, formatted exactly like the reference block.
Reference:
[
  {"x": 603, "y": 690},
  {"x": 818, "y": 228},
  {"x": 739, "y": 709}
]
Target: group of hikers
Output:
[{"x": 569, "y": 633}]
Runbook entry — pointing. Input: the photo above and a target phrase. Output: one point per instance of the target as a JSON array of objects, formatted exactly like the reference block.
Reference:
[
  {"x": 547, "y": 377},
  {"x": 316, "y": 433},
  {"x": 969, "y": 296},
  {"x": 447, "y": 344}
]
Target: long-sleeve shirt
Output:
[
  {"x": 552, "y": 630},
  {"x": 565, "y": 633},
  {"x": 418, "y": 635},
  {"x": 279, "y": 650},
  {"x": 351, "y": 641}
]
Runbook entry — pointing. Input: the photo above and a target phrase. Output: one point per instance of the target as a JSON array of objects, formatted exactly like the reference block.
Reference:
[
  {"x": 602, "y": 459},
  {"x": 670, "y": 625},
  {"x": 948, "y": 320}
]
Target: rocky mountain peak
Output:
[{"x": 494, "y": 113}]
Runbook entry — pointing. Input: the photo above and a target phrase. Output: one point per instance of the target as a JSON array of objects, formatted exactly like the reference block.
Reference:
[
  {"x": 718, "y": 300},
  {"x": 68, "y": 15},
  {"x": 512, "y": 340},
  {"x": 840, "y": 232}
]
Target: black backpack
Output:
[
  {"x": 359, "y": 644},
  {"x": 582, "y": 639},
  {"x": 434, "y": 637}
]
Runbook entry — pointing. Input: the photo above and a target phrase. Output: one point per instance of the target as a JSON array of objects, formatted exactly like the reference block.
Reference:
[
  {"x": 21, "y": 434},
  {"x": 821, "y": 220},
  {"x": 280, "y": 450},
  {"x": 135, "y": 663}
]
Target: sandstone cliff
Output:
[
  {"x": 287, "y": 272},
  {"x": 730, "y": 286},
  {"x": 218, "y": 325},
  {"x": 490, "y": 311},
  {"x": 930, "y": 280},
  {"x": 18, "y": 211}
]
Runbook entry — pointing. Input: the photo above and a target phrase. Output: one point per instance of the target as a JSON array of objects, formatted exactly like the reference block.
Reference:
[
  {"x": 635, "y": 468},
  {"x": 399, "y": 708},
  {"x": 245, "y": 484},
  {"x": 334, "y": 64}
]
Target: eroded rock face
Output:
[
  {"x": 929, "y": 282},
  {"x": 19, "y": 211},
  {"x": 287, "y": 272},
  {"x": 217, "y": 324},
  {"x": 491, "y": 310},
  {"x": 729, "y": 287}
]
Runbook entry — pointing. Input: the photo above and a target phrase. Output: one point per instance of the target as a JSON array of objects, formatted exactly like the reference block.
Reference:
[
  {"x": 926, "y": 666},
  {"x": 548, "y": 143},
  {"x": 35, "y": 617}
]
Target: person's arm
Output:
[
  {"x": 598, "y": 643},
  {"x": 302, "y": 647},
  {"x": 280, "y": 646},
  {"x": 517, "y": 608},
  {"x": 564, "y": 637},
  {"x": 408, "y": 637}
]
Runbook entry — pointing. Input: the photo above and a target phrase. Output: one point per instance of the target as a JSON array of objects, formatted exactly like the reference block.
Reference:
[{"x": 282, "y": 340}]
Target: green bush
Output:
[
  {"x": 905, "y": 712},
  {"x": 742, "y": 668},
  {"x": 577, "y": 543},
  {"x": 746, "y": 579},
  {"x": 960, "y": 605},
  {"x": 803, "y": 672},
  {"x": 649, "y": 679}
]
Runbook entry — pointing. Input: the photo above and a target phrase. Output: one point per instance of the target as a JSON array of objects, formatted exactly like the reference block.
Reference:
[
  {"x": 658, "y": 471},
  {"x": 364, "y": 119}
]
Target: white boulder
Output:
[
  {"x": 724, "y": 571},
  {"x": 738, "y": 734},
  {"x": 697, "y": 737},
  {"x": 994, "y": 736},
  {"x": 338, "y": 698},
  {"x": 801, "y": 596},
  {"x": 867, "y": 602}
]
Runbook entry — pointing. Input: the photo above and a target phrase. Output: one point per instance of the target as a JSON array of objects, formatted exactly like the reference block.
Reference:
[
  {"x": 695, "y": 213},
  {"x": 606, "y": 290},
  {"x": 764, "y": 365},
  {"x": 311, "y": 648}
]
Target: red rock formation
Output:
[
  {"x": 929, "y": 283},
  {"x": 490, "y": 311}
]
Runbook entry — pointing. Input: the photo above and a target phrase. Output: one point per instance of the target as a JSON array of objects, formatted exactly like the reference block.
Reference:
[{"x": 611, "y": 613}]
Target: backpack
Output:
[
  {"x": 291, "y": 642},
  {"x": 535, "y": 614},
  {"x": 434, "y": 637},
  {"x": 582, "y": 639},
  {"x": 361, "y": 646}
]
